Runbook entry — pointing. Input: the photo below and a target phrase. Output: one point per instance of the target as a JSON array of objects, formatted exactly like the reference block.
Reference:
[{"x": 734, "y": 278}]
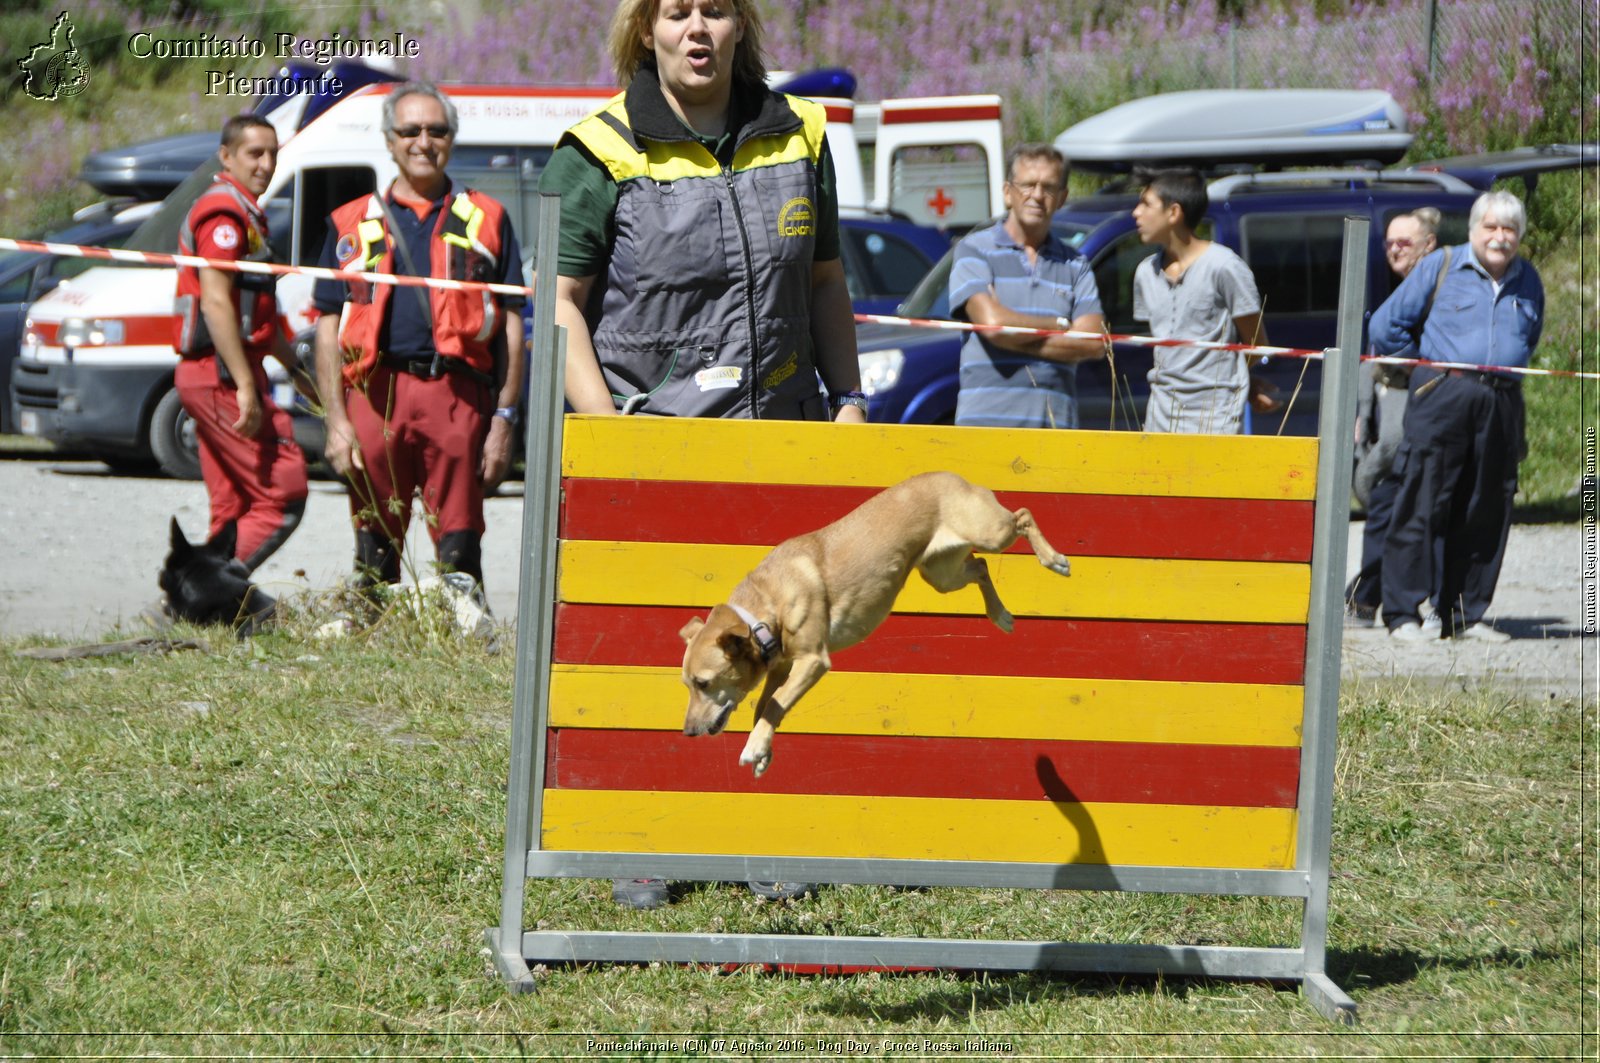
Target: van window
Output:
[
  {"x": 1295, "y": 259},
  {"x": 1452, "y": 226},
  {"x": 1113, "y": 276},
  {"x": 510, "y": 175},
  {"x": 320, "y": 192},
  {"x": 940, "y": 185}
]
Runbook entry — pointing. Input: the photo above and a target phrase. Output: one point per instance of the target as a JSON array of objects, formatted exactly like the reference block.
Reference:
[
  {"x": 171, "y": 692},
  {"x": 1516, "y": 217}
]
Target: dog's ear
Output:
[
  {"x": 691, "y": 629},
  {"x": 223, "y": 543},
  {"x": 181, "y": 548},
  {"x": 737, "y": 646}
]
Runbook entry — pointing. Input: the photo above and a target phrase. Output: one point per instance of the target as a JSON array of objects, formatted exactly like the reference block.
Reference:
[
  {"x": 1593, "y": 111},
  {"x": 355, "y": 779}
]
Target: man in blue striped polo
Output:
[{"x": 1018, "y": 272}]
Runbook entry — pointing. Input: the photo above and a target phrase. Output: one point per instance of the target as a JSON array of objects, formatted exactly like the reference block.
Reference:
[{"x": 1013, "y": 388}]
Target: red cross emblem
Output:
[{"x": 940, "y": 203}]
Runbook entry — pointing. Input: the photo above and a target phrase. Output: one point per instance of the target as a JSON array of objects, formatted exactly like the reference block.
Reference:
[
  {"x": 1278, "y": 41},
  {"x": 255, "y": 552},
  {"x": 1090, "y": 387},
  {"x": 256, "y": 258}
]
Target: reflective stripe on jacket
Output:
[
  {"x": 706, "y": 302},
  {"x": 466, "y": 246}
]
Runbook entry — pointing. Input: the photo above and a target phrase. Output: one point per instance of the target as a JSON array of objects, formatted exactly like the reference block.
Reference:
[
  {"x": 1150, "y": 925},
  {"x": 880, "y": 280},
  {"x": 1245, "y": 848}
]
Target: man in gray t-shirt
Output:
[{"x": 1193, "y": 289}]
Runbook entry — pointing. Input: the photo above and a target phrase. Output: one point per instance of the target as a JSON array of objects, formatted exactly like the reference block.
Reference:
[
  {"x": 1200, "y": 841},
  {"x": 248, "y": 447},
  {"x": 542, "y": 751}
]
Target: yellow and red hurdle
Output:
[{"x": 1162, "y": 720}]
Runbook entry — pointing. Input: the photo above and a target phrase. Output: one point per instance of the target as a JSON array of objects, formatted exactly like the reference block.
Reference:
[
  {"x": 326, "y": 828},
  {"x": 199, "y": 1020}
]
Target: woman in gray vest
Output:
[{"x": 699, "y": 270}]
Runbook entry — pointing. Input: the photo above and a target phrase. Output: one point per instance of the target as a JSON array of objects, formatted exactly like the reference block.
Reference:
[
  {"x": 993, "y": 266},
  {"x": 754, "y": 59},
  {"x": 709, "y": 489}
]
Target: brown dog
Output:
[{"x": 831, "y": 588}]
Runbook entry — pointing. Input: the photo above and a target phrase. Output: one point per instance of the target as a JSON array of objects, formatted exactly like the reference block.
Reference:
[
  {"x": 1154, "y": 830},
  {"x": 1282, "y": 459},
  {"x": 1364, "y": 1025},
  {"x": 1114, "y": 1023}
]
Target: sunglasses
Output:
[
  {"x": 1034, "y": 187},
  {"x": 1392, "y": 245},
  {"x": 411, "y": 132}
]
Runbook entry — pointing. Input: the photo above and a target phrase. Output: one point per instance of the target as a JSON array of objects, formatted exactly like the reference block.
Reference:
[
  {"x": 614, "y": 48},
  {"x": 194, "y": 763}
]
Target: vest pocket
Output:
[
  {"x": 788, "y": 215},
  {"x": 678, "y": 232}
]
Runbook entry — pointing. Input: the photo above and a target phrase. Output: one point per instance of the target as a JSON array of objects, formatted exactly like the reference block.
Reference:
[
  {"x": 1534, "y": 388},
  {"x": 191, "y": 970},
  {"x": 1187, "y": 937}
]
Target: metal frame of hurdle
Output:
[{"x": 1164, "y": 720}]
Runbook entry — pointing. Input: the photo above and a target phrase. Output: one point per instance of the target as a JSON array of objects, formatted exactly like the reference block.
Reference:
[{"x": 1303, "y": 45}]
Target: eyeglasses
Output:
[
  {"x": 411, "y": 132},
  {"x": 1035, "y": 186},
  {"x": 1394, "y": 245}
]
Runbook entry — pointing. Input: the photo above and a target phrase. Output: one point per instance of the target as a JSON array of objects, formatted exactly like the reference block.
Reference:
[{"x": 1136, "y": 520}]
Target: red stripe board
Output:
[
  {"x": 1201, "y": 529},
  {"x": 939, "y": 645},
  {"x": 1001, "y": 769},
  {"x": 907, "y": 115}
]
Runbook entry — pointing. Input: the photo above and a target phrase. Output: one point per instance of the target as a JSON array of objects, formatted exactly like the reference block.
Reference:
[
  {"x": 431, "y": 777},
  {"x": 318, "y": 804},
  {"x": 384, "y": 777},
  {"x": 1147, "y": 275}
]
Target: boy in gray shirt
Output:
[{"x": 1193, "y": 289}]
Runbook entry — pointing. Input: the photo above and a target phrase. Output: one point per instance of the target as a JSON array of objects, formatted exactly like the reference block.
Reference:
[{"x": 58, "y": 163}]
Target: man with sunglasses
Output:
[
  {"x": 420, "y": 384},
  {"x": 1018, "y": 272}
]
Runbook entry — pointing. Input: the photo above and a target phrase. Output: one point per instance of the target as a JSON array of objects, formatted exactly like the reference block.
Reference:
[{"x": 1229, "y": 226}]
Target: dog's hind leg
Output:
[
  {"x": 954, "y": 571},
  {"x": 1048, "y": 556}
]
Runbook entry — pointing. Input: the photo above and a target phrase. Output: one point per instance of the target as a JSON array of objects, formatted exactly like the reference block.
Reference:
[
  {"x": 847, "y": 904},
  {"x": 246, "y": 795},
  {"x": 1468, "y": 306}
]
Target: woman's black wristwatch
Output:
[{"x": 858, "y": 399}]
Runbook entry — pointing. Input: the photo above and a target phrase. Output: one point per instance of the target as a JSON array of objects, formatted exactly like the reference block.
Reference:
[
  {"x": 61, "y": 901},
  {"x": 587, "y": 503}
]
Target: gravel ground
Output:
[{"x": 87, "y": 544}]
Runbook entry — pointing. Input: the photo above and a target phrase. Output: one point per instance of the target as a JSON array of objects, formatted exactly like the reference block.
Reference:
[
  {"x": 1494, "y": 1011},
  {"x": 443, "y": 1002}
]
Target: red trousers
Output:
[
  {"x": 418, "y": 434},
  {"x": 252, "y": 482}
]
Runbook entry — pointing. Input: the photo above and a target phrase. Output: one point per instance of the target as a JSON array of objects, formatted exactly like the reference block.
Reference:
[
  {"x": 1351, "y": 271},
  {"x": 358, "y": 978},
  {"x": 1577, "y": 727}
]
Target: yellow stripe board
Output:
[
  {"x": 1118, "y": 588},
  {"x": 898, "y": 828},
  {"x": 796, "y": 452},
  {"x": 955, "y": 706}
]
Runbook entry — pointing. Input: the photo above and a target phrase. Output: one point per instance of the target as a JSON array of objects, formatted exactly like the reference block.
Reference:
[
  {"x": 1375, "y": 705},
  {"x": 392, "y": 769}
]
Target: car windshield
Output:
[
  {"x": 931, "y": 296},
  {"x": 159, "y": 232}
]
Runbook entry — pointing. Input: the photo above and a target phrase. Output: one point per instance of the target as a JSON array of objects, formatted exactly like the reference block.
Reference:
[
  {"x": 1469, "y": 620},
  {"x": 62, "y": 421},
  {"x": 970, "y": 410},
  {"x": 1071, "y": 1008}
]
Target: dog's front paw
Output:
[
  {"x": 756, "y": 755},
  {"x": 1003, "y": 620},
  {"x": 1060, "y": 566}
]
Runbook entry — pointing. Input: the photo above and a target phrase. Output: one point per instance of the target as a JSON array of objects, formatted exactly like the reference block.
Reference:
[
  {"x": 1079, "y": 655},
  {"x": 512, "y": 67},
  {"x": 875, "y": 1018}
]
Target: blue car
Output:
[{"x": 884, "y": 258}]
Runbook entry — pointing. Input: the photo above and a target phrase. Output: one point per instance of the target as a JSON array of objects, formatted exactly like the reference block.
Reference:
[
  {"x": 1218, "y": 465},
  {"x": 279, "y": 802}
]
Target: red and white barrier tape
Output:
[
  {"x": 155, "y": 258},
  {"x": 1242, "y": 348}
]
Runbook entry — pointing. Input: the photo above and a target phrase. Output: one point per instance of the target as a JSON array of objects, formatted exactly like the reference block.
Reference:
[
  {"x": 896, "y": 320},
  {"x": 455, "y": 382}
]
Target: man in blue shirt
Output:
[
  {"x": 1463, "y": 427},
  {"x": 1017, "y": 272}
]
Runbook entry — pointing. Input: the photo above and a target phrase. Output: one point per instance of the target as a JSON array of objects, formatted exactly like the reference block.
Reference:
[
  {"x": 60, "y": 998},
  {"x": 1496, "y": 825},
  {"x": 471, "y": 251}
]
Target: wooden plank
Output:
[
  {"x": 1119, "y": 588},
  {"x": 997, "y": 769},
  {"x": 1164, "y": 651},
  {"x": 954, "y": 706},
  {"x": 1080, "y": 525},
  {"x": 795, "y": 452},
  {"x": 904, "y": 828}
]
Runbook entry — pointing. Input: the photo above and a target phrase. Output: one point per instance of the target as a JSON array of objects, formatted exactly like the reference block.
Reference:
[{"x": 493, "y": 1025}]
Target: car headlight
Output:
[
  {"x": 90, "y": 332},
  {"x": 880, "y": 370}
]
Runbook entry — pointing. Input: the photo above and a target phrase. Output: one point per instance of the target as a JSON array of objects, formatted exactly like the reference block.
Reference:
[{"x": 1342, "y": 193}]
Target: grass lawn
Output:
[{"x": 289, "y": 847}]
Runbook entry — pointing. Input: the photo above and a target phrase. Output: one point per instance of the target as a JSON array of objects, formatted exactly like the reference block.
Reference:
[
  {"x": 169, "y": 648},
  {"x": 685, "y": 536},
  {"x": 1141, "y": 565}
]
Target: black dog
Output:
[{"x": 208, "y": 585}]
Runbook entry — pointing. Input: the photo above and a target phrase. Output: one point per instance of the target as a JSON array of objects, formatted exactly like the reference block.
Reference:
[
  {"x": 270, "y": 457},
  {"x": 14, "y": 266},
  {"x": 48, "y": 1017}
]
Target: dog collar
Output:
[{"x": 766, "y": 641}]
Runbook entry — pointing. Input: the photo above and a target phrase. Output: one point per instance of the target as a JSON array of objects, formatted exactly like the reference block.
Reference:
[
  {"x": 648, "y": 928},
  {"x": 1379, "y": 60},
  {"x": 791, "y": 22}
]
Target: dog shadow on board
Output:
[
  {"x": 1091, "y": 849},
  {"x": 206, "y": 584}
]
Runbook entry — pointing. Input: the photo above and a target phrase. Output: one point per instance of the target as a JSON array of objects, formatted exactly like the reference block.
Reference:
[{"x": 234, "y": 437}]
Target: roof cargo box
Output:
[
  {"x": 1209, "y": 128},
  {"x": 148, "y": 170}
]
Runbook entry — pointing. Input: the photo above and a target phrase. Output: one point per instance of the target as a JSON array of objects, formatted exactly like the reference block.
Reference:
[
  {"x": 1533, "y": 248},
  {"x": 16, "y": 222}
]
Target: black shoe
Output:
[
  {"x": 640, "y": 893},
  {"x": 781, "y": 891}
]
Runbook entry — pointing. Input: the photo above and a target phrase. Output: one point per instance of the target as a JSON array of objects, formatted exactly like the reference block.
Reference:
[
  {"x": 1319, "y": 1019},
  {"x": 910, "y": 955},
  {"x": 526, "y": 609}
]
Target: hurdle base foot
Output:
[
  {"x": 1322, "y": 993},
  {"x": 512, "y": 966}
]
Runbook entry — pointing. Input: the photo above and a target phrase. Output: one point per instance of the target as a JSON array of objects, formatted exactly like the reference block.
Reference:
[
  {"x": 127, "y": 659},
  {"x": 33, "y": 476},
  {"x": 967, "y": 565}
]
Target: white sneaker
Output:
[
  {"x": 1410, "y": 631},
  {"x": 1483, "y": 633},
  {"x": 1433, "y": 625}
]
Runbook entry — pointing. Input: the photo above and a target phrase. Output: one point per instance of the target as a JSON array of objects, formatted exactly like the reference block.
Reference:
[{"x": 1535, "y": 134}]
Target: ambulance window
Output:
[
  {"x": 941, "y": 185},
  {"x": 321, "y": 191}
]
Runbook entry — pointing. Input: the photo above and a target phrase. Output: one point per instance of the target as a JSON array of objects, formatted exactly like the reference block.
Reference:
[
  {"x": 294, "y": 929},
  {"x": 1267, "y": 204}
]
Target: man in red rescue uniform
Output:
[
  {"x": 227, "y": 322},
  {"x": 420, "y": 385}
]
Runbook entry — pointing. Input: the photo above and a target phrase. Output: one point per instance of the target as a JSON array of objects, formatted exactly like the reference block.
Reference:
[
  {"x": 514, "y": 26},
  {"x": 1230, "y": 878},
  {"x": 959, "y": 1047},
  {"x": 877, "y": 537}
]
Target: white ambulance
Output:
[{"x": 95, "y": 368}]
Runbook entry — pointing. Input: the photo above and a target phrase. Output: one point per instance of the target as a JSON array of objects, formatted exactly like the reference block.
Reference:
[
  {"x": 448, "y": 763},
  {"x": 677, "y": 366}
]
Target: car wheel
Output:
[{"x": 173, "y": 440}]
